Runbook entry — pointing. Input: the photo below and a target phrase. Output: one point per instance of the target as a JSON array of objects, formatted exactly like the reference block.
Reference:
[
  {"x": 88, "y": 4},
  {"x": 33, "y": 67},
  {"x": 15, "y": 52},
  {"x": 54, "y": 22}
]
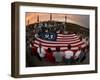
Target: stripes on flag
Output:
[{"x": 62, "y": 41}]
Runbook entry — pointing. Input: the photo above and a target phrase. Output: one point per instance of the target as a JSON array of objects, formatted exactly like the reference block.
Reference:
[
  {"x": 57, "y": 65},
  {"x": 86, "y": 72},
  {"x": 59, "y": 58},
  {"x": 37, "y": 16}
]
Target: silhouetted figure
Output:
[
  {"x": 82, "y": 55},
  {"x": 77, "y": 54},
  {"x": 29, "y": 57},
  {"x": 34, "y": 52}
]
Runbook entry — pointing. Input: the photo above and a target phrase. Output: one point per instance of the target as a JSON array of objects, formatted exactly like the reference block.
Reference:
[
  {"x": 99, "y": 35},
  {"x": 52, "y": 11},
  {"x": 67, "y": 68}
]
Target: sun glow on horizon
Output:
[{"x": 34, "y": 17}]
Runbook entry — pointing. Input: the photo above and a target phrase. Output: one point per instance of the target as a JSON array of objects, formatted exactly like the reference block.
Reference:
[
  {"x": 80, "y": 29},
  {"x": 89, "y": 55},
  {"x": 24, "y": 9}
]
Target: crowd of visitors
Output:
[{"x": 58, "y": 56}]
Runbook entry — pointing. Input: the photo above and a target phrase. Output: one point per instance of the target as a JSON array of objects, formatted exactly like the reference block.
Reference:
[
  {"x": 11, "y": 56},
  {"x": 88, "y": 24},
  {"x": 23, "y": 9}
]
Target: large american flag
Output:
[{"x": 63, "y": 40}]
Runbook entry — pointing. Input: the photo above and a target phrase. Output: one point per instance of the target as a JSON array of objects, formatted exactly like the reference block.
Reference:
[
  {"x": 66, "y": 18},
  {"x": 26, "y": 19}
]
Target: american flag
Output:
[{"x": 63, "y": 40}]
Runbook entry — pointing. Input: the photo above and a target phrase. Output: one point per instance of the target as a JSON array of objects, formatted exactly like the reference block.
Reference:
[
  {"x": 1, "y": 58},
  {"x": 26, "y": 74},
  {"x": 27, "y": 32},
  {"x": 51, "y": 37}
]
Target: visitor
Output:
[
  {"x": 35, "y": 53},
  {"x": 68, "y": 55},
  {"x": 76, "y": 56},
  {"x": 41, "y": 51},
  {"x": 82, "y": 55},
  {"x": 49, "y": 55},
  {"x": 58, "y": 55}
]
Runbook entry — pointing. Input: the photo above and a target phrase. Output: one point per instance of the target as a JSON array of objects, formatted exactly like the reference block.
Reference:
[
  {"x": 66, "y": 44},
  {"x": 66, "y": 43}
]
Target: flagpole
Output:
[
  {"x": 28, "y": 22},
  {"x": 38, "y": 18},
  {"x": 65, "y": 18},
  {"x": 50, "y": 16},
  {"x": 65, "y": 22}
]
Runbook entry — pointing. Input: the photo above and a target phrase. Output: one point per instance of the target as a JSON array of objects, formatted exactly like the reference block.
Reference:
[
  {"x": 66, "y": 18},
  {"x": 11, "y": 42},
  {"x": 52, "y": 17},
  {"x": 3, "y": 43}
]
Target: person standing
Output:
[
  {"x": 68, "y": 55},
  {"x": 58, "y": 55},
  {"x": 49, "y": 55},
  {"x": 77, "y": 54},
  {"x": 41, "y": 51},
  {"x": 82, "y": 56},
  {"x": 29, "y": 56},
  {"x": 34, "y": 51}
]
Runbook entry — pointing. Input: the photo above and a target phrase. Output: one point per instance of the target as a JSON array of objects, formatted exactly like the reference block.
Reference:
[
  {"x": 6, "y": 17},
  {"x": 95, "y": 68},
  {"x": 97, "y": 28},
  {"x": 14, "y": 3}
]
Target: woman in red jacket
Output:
[{"x": 49, "y": 55}]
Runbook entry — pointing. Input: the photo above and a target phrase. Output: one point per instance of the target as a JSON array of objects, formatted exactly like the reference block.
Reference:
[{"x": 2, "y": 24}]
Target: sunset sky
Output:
[{"x": 83, "y": 20}]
